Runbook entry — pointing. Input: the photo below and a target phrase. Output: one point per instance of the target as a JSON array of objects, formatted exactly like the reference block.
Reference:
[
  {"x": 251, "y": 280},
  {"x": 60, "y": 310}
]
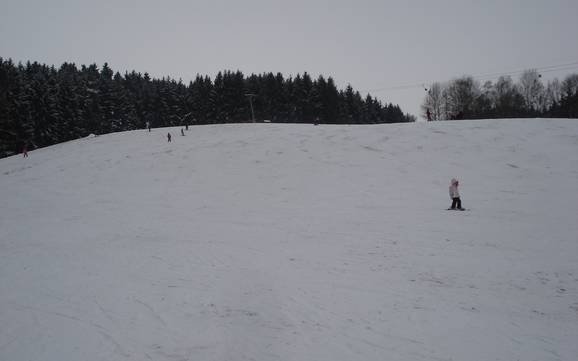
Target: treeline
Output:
[
  {"x": 467, "y": 98},
  {"x": 41, "y": 105}
]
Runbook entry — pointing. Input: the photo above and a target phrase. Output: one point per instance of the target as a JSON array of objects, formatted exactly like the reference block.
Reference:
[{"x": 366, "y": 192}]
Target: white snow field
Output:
[{"x": 294, "y": 242}]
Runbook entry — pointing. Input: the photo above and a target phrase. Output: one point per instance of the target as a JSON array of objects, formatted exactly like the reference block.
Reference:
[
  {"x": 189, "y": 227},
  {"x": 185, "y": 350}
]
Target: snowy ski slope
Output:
[{"x": 294, "y": 242}]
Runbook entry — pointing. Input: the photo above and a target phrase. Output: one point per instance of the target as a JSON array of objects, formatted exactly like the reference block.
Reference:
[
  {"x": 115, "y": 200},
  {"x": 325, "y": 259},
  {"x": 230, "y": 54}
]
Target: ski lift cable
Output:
[
  {"x": 488, "y": 76},
  {"x": 540, "y": 69},
  {"x": 520, "y": 72}
]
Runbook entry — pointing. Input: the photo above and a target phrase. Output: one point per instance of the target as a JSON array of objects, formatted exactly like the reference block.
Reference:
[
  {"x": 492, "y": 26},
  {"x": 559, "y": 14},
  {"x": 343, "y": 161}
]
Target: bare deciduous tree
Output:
[
  {"x": 465, "y": 98},
  {"x": 553, "y": 93},
  {"x": 569, "y": 86},
  {"x": 532, "y": 90},
  {"x": 434, "y": 102},
  {"x": 462, "y": 94}
]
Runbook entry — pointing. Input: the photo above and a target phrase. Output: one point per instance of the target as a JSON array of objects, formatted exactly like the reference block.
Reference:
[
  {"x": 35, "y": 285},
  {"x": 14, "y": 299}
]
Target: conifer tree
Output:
[{"x": 42, "y": 105}]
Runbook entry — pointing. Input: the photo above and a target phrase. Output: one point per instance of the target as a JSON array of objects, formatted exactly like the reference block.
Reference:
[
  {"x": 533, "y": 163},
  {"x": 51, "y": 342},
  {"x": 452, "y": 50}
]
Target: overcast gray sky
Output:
[{"x": 368, "y": 43}]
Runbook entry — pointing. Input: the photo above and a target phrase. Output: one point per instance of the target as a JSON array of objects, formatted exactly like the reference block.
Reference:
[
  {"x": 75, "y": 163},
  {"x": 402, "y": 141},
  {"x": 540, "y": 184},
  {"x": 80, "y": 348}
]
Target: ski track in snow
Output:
[{"x": 294, "y": 242}]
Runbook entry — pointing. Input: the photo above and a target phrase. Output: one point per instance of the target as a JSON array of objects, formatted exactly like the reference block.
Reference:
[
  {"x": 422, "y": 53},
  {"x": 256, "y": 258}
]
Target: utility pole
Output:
[{"x": 251, "y": 103}]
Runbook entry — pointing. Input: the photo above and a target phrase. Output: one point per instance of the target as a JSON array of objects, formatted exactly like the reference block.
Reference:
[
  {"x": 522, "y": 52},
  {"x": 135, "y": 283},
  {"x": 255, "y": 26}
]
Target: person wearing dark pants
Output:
[
  {"x": 455, "y": 195},
  {"x": 457, "y": 203}
]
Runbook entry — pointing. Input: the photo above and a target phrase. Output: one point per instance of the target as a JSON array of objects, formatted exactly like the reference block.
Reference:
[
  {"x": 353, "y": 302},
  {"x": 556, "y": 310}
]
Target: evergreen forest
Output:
[{"x": 41, "y": 105}]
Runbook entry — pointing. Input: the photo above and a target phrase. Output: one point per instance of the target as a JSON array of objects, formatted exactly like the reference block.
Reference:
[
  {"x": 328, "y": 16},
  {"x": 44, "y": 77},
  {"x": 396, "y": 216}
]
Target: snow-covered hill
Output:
[{"x": 294, "y": 242}]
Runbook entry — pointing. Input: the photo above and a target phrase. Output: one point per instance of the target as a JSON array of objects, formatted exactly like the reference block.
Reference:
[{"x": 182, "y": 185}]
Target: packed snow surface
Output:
[{"x": 294, "y": 242}]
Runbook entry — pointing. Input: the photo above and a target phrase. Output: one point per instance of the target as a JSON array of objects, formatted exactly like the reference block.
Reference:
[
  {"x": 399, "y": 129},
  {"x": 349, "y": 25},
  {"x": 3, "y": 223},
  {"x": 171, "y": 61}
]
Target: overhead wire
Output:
[{"x": 488, "y": 76}]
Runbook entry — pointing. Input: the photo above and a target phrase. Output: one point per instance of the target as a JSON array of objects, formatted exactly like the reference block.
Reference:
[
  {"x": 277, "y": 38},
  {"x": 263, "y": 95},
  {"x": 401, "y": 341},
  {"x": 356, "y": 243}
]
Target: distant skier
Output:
[
  {"x": 149, "y": 126},
  {"x": 182, "y": 132},
  {"x": 428, "y": 114},
  {"x": 169, "y": 137},
  {"x": 455, "y": 195},
  {"x": 25, "y": 150}
]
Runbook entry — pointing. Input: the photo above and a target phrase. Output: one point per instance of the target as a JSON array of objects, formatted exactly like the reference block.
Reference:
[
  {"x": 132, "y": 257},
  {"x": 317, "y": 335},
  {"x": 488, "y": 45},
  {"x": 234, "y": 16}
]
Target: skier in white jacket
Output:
[{"x": 455, "y": 195}]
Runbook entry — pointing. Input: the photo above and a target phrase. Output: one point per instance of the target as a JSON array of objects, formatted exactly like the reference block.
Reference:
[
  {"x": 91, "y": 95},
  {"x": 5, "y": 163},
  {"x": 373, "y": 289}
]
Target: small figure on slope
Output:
[
  {"x": 455, "y": 196},
  {"x": 169, "y": 137}
]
